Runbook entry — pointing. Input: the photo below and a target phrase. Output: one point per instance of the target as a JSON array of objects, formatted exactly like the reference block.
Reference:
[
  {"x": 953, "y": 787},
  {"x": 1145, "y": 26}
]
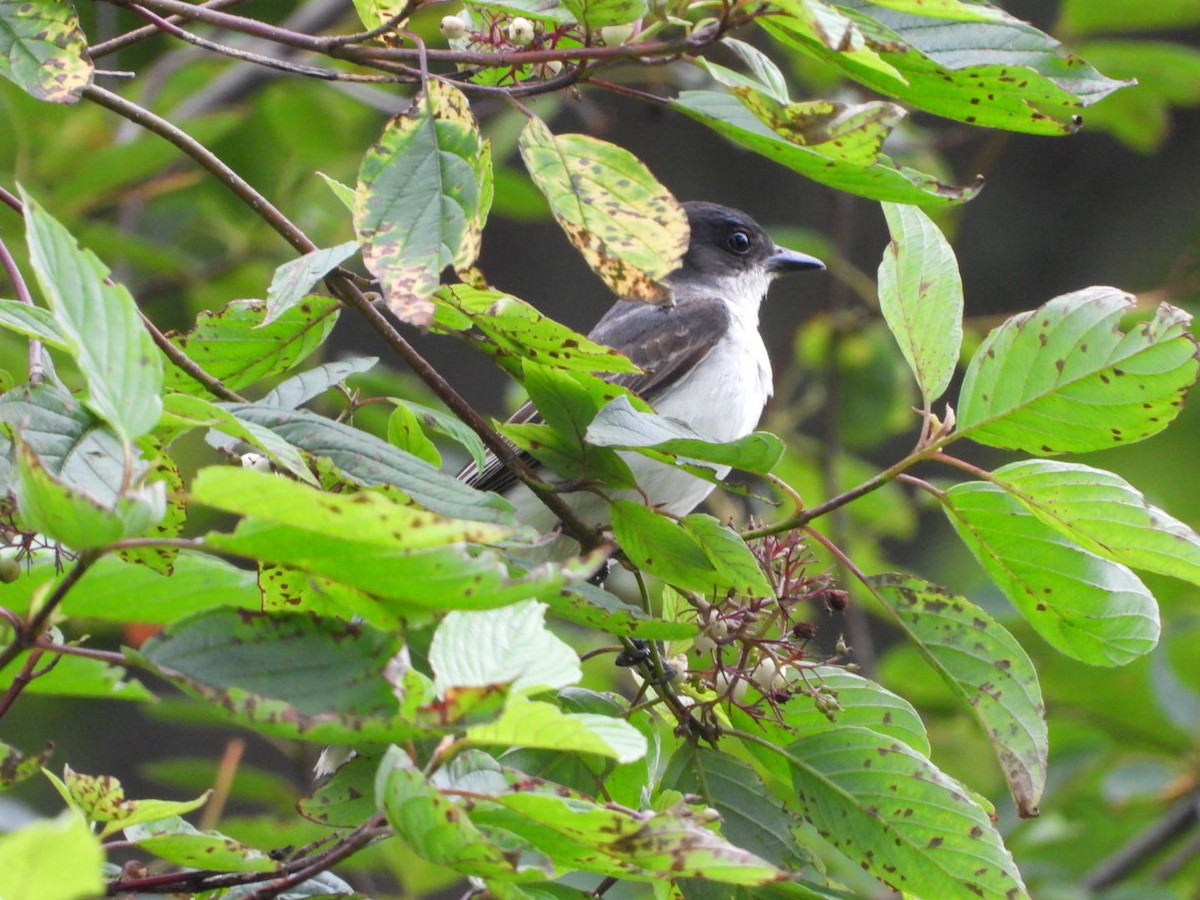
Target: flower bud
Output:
[{"x": 616, "y": 35}]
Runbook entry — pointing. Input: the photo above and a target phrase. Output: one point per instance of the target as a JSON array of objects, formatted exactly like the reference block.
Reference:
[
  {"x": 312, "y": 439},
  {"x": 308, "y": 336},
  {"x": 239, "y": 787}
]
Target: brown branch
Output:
[
  {"x": 105, "y": 48},
  {"x": 28, "y": 635}
]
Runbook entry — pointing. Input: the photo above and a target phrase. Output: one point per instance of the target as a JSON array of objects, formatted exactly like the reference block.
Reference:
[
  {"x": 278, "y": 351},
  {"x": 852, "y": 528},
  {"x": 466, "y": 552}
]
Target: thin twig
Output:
[
  {"x": 36, "y": 373},
  {"x": 28, "y": 635},
  {"x": 187, "y": 365},
  {"x": 104, "y": 48}
]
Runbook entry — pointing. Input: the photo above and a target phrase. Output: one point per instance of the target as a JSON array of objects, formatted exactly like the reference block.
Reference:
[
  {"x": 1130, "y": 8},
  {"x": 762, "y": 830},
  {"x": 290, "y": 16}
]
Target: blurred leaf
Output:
[
  {"x": 988, "y": 672},
  {"x": 100, "y": 321},
  {"x": 1093, "y": 610},
  {"x": 889, "y": 809},
  {"x": 233, "y": 345},
  {"x": 293, "y": 280},
  {"x": 33, "y": 322},
  {"x": 1168, "y": 75},
  {"x": 1104, "y": 514},
  {"x": 16, "y": 767},
  {"x": 593, "y": 14},
  {"x": 343, "y": 192},
  {"x": 43, "y": 50},
  {"x": 628, "y": 227},
  {"x": 1064, "y": 378},
  {"x": 921, "y": 297},
  {"x": 173, "y": 839},
  {"x": 374, "y": 13},
  {"x": 530, "y": 723},
  {"x": 501, "y": 646},
  {"x": 75, "y": 676},
  {"x": 51, "y": 859},
  {"x": 101, "y": 798},
  {"x": 1079, "y": 17},
  {"x": 303, "y": 386},
  {"x": 878, "y": 179},
  {"x": 417, "y": 205}
]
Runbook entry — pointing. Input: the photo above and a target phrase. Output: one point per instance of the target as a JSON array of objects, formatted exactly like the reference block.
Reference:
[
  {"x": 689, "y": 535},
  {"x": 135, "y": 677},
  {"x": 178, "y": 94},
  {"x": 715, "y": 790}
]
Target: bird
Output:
[{"x": 703, "y": 363}]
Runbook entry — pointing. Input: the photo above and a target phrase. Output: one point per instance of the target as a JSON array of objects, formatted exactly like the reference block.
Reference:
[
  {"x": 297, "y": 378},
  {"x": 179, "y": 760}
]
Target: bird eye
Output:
[{"x": 738, "y": 242}]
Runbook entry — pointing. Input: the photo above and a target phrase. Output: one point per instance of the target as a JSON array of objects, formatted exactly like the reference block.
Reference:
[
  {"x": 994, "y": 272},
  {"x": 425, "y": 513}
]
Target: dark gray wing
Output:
[{"x": 666, "y": 342}]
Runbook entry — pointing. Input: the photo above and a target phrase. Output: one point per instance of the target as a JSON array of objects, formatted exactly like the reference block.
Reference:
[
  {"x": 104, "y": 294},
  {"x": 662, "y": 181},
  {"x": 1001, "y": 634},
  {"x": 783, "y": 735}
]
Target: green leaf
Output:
[
  {"x": 945, "y": 9},
  {"x": 892, "y": 811},
  {"x": 43, "y": 50},
  {"x": 100, "y": 321},
  {"x": 75, "y": 517},
  {"x": 532, "y": 723},
  {"x": 450, "y": 426},
  {"x": 368, "y": 460},
  {"x": 16, "y": 767},
  {"x": 440, "y": 830},
  {"x": 293, "y": 676},
  {"x": 1104, "y": 514},
  {"x": 988, "y": 672},
  {"x": 33, "y": 322},
  {"x": 52, "y": 859},
  {"x": 417, "y": 206},
  {"x": 517, "y": 329},
  {"x": 578, "y": 833},
  {"x": 1027, "y": 82},
  {"x": 74, "y": 676},
  {"x": 1079, "y": 17},
  {"x": 1087, "y": 607},
  {"x": 879, "y": 179},
  {"x": 751, "y": 818},
  {"x": 628, "y": 227},
  {"x": 365, "y": 517},
  {"x": 101, "y": 799},
  {"x": 71, "y": 444},
  {"x": 618, "y": 425},
  {"x": 921, "y": 297},
  {"x": 233, "y": 345},
  {"x": 176, "y": 841},
  {"x": 1063, "y": 378},
  {"x": 593, "y": 607},
  {"x": 303, "y": 386},
  {"x": 696, "y": 553},
  {"x": 187, "y": 411},
  {"x": 501, "y": 646},
  {"x": 404, "y": 431},
  {"x": 291, "y": 590},
  {"x": 347, "y": 799},
  {"x": 343, "y": 192},
  {"x": 765, "y": 76},
  {"x": 293, "y": 280},
  {"x": 593, "y": 14},
  {"x": 116, "y": 591}
]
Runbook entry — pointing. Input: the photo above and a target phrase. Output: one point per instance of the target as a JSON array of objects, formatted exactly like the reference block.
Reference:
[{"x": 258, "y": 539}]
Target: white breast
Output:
[{"x": 722, "y": 398}]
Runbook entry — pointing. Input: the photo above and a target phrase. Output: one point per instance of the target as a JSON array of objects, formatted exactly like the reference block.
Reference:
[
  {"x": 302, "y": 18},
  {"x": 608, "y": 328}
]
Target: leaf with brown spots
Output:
[
  {"x": 234, "y": 345},
  {"x": 1085, "y": 606},
  {"x": 987, "y": 670},
  {"x": 1030, "y": 83},
  {"x": 176, "y": 841},
  {"x": 891, "y": 810},
  {"x": 101, "y": 799},
  {"x": 43, "y": 50},
  {"x": 1105, "y": 514},
  {"x": 921, "y": 297},
  {"x": 628, "y": 227},
  {"x": 1064, "y": 378},
  {"x": 419, "y": 200},
  {"x": 855, "y": 166}
]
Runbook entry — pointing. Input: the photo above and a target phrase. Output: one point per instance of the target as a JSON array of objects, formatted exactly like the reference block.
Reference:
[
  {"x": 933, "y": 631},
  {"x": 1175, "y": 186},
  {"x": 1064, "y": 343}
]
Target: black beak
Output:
[{"x": 784, "y": 260}]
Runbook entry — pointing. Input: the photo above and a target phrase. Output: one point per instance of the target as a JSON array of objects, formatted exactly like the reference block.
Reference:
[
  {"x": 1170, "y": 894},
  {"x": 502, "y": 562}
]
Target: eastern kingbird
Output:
[{"x": 703, "y": 361}]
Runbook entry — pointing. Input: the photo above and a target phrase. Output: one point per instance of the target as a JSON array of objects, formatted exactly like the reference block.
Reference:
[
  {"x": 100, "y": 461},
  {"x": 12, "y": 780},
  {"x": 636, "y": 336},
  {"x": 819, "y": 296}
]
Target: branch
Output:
[
  {"x": 28, "y": 635},
  {"x": 36, "y": 373}
]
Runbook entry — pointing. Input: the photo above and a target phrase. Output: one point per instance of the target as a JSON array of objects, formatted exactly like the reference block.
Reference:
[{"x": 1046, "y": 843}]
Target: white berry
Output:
[
  {"x": 453, "y": 27},
  {"x": 520, "y": 32}
]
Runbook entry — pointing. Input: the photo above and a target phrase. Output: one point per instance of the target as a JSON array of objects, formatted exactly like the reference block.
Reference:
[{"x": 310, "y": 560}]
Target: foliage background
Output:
[{"x": 1056, "y": 214}]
